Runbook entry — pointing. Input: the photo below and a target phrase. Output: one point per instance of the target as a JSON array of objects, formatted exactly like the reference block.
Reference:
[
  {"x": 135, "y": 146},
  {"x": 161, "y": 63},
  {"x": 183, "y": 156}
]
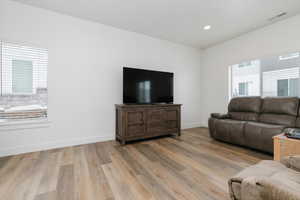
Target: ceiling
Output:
[{"x": 180, "y": 21}]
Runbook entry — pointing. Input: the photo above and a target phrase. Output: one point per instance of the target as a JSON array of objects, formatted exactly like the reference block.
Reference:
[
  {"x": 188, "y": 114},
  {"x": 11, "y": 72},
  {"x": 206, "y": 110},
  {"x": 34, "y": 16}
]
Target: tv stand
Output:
[{"x": 143, "y": 121}]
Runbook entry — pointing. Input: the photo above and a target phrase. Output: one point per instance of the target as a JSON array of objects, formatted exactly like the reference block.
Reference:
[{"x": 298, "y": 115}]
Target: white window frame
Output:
[
  {"x": 12, "y": 125},
  {"x": 245, "y": 64},
  {"x": 289, "y": 56}
]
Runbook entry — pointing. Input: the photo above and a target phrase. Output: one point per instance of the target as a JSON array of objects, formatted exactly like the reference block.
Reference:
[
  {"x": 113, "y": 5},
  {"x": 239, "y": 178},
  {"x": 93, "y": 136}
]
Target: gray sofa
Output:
[
  {"x": 253, "y": 121},
  {"x": 268, "y": 180}
]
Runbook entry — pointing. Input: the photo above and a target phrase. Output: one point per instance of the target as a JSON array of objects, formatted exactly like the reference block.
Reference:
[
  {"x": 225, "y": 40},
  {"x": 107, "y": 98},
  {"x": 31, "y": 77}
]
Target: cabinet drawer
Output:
[
  {"x": 171, "y": 124},
  {"x": 171, "y": 114},
  {"x": 154, "y": 127},
  {"x": 135, "y": 130}
]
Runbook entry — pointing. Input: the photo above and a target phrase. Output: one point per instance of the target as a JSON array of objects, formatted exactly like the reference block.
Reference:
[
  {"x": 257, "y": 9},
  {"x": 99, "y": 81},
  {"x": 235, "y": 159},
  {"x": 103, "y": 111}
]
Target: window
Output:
[
  {"x": 23, "y": 83},
  {"x": 294, "y": 87},
  {"x": 288, "y": 87},
  {"x": 283, "y": 87},
  {"x": 267, "y": 77},
  {"x": 243, "y": 89},
  {"x": 245, "y": 80}
]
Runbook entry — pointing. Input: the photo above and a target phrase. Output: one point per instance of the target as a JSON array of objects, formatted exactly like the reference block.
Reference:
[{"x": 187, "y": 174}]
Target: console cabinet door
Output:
[
  {"x": 135, "y": 123},
  {"x": 171, "y": 119},
  {"x": 155, "y": 121}
]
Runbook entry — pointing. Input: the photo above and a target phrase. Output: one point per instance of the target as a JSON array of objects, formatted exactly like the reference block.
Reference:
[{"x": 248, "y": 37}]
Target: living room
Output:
[{"x": 69, "y": 131}]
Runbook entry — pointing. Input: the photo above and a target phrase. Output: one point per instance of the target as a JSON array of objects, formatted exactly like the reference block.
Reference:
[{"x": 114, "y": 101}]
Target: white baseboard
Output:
[
  {"x": 71, "y": 142},
  {"x": 191, "y": 125},
  {"x": 204, "y": 123},
  {"x": 53, "y": 145}
]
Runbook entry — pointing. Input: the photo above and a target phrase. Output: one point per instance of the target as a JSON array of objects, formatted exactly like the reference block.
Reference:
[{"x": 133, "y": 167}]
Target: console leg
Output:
[{"x": 123, "y": 142}]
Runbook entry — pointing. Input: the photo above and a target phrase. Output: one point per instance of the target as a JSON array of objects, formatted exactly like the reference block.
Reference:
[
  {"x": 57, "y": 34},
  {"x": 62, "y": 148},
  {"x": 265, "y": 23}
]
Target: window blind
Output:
[{"x": 23, "y": 83}]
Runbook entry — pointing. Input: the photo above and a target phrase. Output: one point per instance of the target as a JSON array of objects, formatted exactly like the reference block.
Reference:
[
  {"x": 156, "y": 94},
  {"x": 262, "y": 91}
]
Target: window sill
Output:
[{"x": 24, "y": 124}]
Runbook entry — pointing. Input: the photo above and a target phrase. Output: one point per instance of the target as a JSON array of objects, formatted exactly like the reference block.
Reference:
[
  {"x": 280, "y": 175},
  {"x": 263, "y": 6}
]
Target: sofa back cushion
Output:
[
  {"x": 281, "y": 105},
  {"x": 245, "y": 104},
  {"x": 244, "y": 108},
  {"x": 280, "y": 110}
]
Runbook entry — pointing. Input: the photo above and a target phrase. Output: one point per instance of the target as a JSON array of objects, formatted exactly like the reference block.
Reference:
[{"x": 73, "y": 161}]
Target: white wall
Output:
[
  {"x": 85, "y": 75},
  {"x": 278, "y": 38}
]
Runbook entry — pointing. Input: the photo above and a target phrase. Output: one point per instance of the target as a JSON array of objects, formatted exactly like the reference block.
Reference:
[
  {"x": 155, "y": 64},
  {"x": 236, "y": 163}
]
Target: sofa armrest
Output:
[
  {"x": 250, "y": 189},
  {"x": 219, "y": 116},
  {"x": 292, "y": 162},
  {"x": 262, "y": 188}
]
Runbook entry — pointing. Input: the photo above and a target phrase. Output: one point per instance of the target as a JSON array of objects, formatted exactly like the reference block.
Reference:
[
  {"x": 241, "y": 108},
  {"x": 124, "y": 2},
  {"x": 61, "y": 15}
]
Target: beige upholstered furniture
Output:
[
  {"x": 284, "y": 146},
  {"x": 268, "y": 180}
]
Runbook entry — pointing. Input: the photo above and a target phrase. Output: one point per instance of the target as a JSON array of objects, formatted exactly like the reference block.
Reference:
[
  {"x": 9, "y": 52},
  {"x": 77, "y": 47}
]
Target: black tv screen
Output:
[{"x": 147, "y": 87}]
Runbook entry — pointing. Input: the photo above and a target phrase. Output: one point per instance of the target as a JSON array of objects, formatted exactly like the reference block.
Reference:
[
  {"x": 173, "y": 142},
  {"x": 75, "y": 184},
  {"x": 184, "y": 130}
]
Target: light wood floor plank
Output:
[
  {"x": 65, "y": 183},
  {"x": 99, "y": 182},
  {"x": 51, "y": 174}
]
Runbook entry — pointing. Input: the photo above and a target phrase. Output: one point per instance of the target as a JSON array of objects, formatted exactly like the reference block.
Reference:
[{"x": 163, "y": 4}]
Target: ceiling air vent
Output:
[{"x": 277, "y": 16}]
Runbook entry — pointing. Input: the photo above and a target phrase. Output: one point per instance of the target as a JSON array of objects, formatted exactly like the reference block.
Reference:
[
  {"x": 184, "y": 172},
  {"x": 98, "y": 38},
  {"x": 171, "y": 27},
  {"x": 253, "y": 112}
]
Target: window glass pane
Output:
[
  {"x": 271, "y": 76},
  {"x": 274, "y": 70},
  {"x": 246, "y": 79},
  {"x": 243, "y": 89},
  {"x": 282, "y": 87},
  {"x": 271, "y": 79},
  {"x": 21, "y": 77},
  {"x": 294, "y": 87}
]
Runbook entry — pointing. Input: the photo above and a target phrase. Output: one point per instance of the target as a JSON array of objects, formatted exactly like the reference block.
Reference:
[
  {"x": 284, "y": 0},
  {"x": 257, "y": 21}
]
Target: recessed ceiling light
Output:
[{"x": 207, "y": 27}]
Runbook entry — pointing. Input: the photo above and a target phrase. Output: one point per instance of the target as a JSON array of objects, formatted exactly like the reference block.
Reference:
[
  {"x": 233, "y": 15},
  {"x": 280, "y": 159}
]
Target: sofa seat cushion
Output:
[
  {"x": 265, "y": 180},
  {"x": 231, "y": 131},
  {"x": 244, "y": 116},
  {"x": 266, "y": 168},
  {"x": 288, "y": 178},
  {"x": 260, "y": 135},
  {"x": 292, "y": 162},
  {"x": 270, "y": 189}
]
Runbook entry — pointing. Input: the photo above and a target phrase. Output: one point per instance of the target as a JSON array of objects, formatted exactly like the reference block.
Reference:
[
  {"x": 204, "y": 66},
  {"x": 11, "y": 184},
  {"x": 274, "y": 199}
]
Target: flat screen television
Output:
[{"x": 146, "y": 86}]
